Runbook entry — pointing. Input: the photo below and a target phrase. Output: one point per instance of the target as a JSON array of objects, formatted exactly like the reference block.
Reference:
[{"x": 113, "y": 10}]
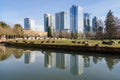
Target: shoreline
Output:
[{"x": 66, "y": 47}]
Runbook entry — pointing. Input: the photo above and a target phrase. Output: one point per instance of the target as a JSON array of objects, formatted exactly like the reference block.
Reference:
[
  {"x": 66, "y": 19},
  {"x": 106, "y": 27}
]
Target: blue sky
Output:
[{"x": 14, "y": 11}]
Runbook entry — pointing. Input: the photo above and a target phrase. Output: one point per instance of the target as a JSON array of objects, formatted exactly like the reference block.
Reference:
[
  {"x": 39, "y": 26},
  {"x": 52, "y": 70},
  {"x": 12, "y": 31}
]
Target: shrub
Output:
[
  {"x": 87, "y": 44},
  {"x": 108, "y": 42},
  {"x": 78, "y": 42},
  {"x": 97, "y": 45},
  {"x": 42, "y": 41},
  {"x": 47, "y": 41},
  {"x": 16, "y": 41},
  {"x": 31, "y": 42},
  {"x": 84, "y": 42},
  {"x": 73, "y": 41},
  {"x": 118, "y": 42},
  {"x": 24, "y": 41},
  {"x": 53, "y": 41}
]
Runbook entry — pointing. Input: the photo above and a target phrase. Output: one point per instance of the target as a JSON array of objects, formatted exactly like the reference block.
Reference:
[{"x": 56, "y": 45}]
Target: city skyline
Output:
[{"x": 13, "y": 13}]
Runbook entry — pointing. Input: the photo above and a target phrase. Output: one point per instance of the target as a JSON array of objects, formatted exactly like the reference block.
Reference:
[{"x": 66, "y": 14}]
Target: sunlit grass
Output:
[{"x": 67, "y": 42}]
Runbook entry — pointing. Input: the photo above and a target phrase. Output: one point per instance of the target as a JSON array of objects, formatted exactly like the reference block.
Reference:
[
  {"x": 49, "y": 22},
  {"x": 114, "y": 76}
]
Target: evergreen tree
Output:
[
  {"x": 110, "y": 25},
  {"x": 50, "y": 33}
]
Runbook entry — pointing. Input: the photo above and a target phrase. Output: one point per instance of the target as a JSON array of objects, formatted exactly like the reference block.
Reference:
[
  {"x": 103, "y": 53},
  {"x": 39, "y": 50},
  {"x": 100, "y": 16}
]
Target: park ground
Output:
[{"x": 71, "y": 42}]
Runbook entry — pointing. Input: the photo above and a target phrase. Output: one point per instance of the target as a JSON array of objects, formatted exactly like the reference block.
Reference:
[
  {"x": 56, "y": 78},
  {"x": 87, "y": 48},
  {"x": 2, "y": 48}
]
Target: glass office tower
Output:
[
  {"x": 76, "y": 19},
  {"x": 87, "y": 22},
  {"x": 48, "y": 21},
  {"x": 60, "y": 21},
  {"x": 29, "y": 24}
]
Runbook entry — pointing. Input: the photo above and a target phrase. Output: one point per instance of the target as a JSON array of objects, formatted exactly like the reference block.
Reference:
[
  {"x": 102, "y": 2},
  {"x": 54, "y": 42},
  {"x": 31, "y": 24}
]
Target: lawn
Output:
[{"x": 68, "y": 42}]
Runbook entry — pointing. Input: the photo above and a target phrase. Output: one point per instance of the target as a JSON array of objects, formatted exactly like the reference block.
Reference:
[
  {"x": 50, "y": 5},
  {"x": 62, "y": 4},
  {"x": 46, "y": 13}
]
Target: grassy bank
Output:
[{"x": 68, "y": 42}]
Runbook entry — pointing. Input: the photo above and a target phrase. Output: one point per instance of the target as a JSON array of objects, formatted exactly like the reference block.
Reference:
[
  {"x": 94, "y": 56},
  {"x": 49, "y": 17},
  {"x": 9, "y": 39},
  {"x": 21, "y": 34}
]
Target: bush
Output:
[
  {"x": 16, "y": 41},
  {"x": 42, "y": 41},
  {"x": 31, "y": 42},
  {"x": 78, "y": 42},
  {"x": 73, "y": 41},
  {"x": 53, "y": 41},
  {"x": 97, "y": 45},
  {"x": 118, "y": 42},
  {"x": 108, "y": 42},
  {"x": 47, "y": 41},
  {"x": 87, "y": 44},
  {"x": 24, "y": 41},
  {"x": 84, "y": 42}
]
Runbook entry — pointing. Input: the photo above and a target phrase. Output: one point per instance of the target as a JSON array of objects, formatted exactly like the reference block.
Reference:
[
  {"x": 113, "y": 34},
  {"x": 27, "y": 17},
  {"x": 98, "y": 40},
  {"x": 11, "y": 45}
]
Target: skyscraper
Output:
[
  {"x": 29, "y": 24},
  {"x": 87, "y": 22},
  {"x": 48, "y": 21},
  {"x": 76, "y": 19},
  {"x": 94, "y": 24},
  {"x": 60, "y": 21}
]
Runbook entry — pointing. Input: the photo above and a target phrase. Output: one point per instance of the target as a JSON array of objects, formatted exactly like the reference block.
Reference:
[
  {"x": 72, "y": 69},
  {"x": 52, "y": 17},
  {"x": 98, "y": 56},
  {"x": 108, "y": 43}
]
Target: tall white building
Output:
[
  {"x": 29, "y": 24},
  {"x": 76, "y": 19},
  {"x": 60, "y": 21},
  {"x": 48, "y": 21}
]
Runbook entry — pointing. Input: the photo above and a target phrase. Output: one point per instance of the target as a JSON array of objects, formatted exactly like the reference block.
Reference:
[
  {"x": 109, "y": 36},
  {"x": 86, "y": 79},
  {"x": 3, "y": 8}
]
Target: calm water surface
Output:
[{"x": 19, "y": 64}]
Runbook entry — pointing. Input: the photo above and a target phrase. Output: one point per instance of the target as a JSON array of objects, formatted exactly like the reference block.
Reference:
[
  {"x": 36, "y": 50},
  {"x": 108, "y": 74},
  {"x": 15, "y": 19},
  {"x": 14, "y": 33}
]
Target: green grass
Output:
[{"x": 69, "y": 42}]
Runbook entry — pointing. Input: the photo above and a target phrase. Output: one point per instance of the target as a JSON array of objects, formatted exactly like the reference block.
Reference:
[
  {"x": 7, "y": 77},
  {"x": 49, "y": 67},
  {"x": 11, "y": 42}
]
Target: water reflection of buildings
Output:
[
  {"x": 61, "y": 61},
  {"x": 76, "y": 64},
  {"x": 29, "y": 57},
  {"x": 48, "y": 59}
]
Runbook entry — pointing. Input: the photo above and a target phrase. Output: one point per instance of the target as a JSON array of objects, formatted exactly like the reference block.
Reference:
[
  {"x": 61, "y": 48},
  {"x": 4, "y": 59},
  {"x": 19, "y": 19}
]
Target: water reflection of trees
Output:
[
  {"x": 96, "y": 59},
  {"x": 5, "y": 52},
  {"x": 18, "y": 53},
  {"x": 86, "y": 60},
  {"x": 111, "y": 62}
]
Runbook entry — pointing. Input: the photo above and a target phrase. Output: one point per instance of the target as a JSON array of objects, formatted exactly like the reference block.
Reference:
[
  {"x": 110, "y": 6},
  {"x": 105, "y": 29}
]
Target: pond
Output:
[{"x": 27, "y": 64}]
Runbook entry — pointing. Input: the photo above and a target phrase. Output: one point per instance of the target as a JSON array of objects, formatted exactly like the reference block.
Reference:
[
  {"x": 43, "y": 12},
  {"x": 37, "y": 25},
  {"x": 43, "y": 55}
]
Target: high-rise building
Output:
[
  {"x": 48, "y": 21},
  {"x": 94, "y": 24},
  {"x": 76, "y": 19},
  {"x": 60, "y": 21},
  {"x": 29, "y": 24},
  {"x": 87, "y": 22}
]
